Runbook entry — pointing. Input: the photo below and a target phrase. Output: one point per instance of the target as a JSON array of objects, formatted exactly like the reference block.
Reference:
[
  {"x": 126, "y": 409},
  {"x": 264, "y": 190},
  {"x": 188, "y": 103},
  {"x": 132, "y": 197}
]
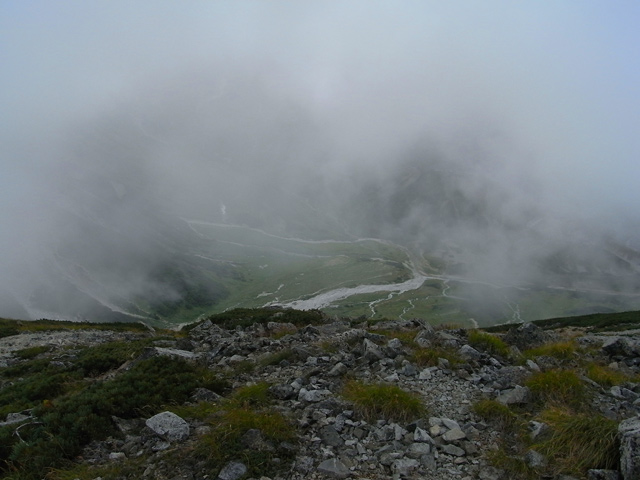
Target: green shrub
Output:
[
  {"x": 379, "y": 400},
  {"x": 69, "y": 422},
  {"x": 94, "y": 361},
  {"x": 33, "y": 390},
  {"x": 245, "y": 317},
  {"x": 579, "y": 442},
  {"x": 488, "y": 343},
  {"x": 31, "y": 352},
  {"x": 558, "y": 387}
]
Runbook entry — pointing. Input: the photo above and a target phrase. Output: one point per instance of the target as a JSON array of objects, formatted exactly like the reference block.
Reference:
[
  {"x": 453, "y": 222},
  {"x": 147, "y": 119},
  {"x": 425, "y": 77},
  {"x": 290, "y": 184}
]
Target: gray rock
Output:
[
  {"x": 489, "y": 473},
  {"x": 304, "y": 464},
  {"x": 453, "y": 435},
  {"x": 409, "y": 370},
  {"x": 205, "y": 395},
  {"x": 117, "y": 456},
  {"x": 535, "y": 460},
  {"x": 515, "y": 396},
  {"x": 330, "y": 436},
  {"x": 372, "y": 352},
  {"x": 428, "y": 461},
  {"x": 450, "y": 424},
  {"x": 403, "y": 467},
  {"x": 417, "y": 450},
  {"x": 338, "y": 370},
  {"x": 536, "y": 429},
  {"x": 533, "y": 366},
  {"x": 171, "y": 353},
  {"x": 469, "y": 353},
  {"x": 169, "y": 426},
  {"x": 603, "y": 475},
  {"x": 14, "y": 418},
  {"x": 453, "y": 450},
  {"x": 629, "y": 434},
  {"x": 232, "y": 471},
  {"x": 527, "y": 335},
  {"x": 312, "y": 396},
  {"x": 334, "y": 468},
  {"x": 282, "y": 391},
  {"x": 420, "y": 435},
  {"x": 622, "y": 347}
]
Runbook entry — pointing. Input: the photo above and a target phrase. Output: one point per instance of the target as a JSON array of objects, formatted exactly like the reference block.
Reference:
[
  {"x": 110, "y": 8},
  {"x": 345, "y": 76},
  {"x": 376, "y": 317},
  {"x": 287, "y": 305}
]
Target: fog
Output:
[{"x": 497, "y": 134}]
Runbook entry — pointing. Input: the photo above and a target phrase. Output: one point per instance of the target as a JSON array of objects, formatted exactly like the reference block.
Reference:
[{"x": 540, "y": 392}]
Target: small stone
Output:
[
  {"x": 516, "y": 395},
  {"x": 334, "y": 468},
  {"x": 312, "y": 396},
  {"x": 420, "y": 435},
  {"x": 404, "y": 466},
  {"x": 453, "y": 450},
  {"x": 535, "y": 460},
  {"x": 232, "y": 471},
  {"x": 393, "y": 378},
  {"x": 603, "y": 475},
  {"x": 453, "y": 435},
  {"x": 338, "y": 370},
  {"x": 450, "y": 424},
  {"x": 533, "y": 366},
  {"x": 416, "y": 450},
  {"x": 330, "y": 436},
  {"x": 170, "y": 426},
  {"x": 469, "y": 353},
  {"x": 117, "y": 456}
]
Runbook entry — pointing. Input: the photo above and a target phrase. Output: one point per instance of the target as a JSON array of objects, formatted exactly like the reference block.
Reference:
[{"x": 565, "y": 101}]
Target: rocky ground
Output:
[{"x": 307, "y": 367}]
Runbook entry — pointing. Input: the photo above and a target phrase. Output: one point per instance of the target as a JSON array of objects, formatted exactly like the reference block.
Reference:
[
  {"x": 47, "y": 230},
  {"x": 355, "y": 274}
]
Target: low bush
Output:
[
  {"x": 245, "y": 317},
  {"x": 31, "y": 352},
  {"x": 382, "y": 401},
  {"x": 68, "y": 422}
]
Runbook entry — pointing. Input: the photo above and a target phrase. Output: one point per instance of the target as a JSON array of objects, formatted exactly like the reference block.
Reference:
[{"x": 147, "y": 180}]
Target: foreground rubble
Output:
[{"x": 306, "y": 368}]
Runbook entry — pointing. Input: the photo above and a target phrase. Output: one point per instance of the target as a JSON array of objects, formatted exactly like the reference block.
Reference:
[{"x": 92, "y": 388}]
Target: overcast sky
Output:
[{"x": 549, "y": 88}]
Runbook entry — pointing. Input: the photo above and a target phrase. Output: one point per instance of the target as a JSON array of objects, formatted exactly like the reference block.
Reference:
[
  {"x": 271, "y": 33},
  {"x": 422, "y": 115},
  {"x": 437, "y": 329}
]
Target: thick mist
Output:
[{"x": 498, "y": 137}]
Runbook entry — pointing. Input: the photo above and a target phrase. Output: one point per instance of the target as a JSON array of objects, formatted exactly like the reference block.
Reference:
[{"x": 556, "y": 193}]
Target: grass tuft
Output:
[
  {"x": 559, "y": 350},
  {"x": 488, "y": 342},
  {"x": 495, "y": 411},
  {"x": 251, "y": 396},
  {"x": 382, "y": 401},
  {"x": 558, "y": 387},
  {"x": 579, "y": 442},
  {"x": 605, "y": 376},
  {"x": 428, "y": 357}
]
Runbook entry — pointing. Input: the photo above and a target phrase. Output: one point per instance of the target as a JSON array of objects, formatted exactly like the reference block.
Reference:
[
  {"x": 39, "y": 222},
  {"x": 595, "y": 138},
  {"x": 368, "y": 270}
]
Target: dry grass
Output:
[
  {"x": 382, "y": 401},
  {"x": 579, "y": 442}
]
